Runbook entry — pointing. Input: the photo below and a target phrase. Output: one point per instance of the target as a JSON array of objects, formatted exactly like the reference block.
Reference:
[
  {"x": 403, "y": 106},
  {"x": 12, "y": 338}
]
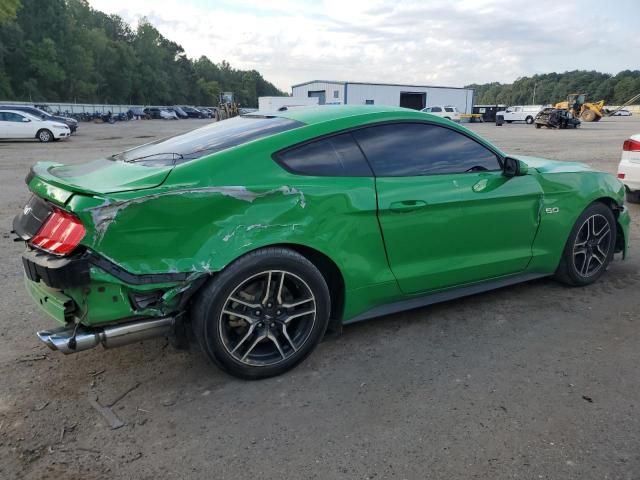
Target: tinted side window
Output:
[
  {"x": 12, "y": 117},
  {"x": 213, "y": 138},
  {"x": 411, "y": 149},
  {"x": 436, "y": 109},
  {"x": 337, "y": 156}
]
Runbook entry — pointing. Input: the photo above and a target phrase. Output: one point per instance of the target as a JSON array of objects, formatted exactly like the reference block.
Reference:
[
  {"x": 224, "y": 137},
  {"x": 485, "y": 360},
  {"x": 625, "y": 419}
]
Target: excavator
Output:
[{"x": 585, "y": 111}]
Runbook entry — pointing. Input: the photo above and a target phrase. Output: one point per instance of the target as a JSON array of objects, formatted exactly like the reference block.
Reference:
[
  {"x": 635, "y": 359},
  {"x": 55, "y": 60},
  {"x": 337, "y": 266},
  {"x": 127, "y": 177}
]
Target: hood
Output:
[
  {"x": 102, "y": 176},
  {"x": 544, "y": 165}
]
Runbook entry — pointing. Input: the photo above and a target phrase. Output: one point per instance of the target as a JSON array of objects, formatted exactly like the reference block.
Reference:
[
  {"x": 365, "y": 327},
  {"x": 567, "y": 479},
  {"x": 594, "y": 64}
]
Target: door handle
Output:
[{"x": 407, "y": 205}]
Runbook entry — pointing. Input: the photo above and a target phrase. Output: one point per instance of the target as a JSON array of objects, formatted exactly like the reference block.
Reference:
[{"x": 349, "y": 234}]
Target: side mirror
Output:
[{"x": 514, "y": 168}]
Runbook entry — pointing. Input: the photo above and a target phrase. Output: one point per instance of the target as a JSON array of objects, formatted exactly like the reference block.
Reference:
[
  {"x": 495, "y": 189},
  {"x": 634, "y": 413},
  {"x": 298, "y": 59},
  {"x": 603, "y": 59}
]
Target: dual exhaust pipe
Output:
[{"x": 71, "y": 339}]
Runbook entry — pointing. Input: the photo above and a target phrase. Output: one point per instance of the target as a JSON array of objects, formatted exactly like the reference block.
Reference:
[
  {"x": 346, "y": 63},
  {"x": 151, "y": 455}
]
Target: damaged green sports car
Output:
[{"x": 256, "y": 235}]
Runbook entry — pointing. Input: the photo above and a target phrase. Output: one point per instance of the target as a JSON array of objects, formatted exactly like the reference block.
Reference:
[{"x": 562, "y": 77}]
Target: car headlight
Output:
[{"x": 60, "y": 125}]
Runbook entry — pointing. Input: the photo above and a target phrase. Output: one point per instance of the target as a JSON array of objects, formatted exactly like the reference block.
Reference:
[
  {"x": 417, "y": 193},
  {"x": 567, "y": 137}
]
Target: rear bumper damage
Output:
[{"x": 98, "y": 303}]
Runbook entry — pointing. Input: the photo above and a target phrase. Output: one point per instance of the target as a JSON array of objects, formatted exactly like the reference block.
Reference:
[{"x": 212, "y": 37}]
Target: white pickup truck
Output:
[{"x": 520, "y": 113}]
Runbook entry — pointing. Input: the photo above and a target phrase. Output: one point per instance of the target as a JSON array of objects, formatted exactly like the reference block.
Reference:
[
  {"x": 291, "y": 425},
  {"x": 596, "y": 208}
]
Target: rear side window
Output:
[
  {"x": 413, "y": 149},
  {"x": 449, "y": 109},
  {"x": 337, "y": 156},
  {"x": 213, "y": 138}
]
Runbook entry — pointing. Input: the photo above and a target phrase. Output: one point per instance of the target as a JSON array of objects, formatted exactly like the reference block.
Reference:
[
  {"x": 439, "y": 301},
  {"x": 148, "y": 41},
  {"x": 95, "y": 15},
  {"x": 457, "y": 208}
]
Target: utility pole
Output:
[{"x": 533, "y": 102}]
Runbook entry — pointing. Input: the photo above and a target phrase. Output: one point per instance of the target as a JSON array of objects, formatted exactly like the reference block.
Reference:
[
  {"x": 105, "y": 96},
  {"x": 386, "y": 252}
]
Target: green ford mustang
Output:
[{"x": 256, "y": 234}]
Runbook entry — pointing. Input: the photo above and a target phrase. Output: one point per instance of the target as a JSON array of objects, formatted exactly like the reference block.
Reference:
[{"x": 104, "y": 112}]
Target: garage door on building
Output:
[
  {"x": 414, "y": 100},
  {"x": 320, "y": 94}
]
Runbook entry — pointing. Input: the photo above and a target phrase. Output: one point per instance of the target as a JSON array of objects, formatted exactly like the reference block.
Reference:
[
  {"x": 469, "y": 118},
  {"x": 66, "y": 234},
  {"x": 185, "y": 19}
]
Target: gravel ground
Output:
[{"x": 532, "y": 381}]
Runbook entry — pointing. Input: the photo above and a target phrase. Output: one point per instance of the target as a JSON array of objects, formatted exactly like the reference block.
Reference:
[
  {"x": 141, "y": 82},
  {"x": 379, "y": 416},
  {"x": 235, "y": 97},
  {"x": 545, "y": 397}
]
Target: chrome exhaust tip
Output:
[{"x": 71, "y": 340}]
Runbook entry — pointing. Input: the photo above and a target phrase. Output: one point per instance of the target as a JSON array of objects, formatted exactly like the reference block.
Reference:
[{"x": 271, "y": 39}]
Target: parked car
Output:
[
  {"x": 192, "y": 112},
  {"x": 259, "y": 233},
  {"x": 160, "y": 113},
  {"x": 629, "y": 168},
  {"x": 181, "y": 113},
  {"x": 622, "y": 113},
  {"x": 445, "y": 111},
  {"x": 520, "y": 113},
  {"x": 556, "y": 118},
  {"x": 138, "y": 113},
  {"x": 15, "y": 124},
  {"x": 72, "y": 123}
]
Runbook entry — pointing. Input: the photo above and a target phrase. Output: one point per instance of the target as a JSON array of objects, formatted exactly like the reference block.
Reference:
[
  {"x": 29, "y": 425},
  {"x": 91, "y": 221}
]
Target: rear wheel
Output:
[
  {"x": 590, "y": 246},
  {"x": 263, "y": 314},
  {"x": 44, "y": 135}
]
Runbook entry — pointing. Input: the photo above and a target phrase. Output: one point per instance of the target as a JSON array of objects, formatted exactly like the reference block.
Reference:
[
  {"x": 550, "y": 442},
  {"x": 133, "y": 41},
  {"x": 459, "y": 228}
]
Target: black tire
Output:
[
  {"x": 538, "y": 125},
  {"x": 508, "y": 121},
  {"x": 528, "y": 120},
  {"x": 44, "y": 135},
  {"x": 259, "y": 344},
  {"x": 577, "y": 266},
  {"x": 632, "y": 196}
]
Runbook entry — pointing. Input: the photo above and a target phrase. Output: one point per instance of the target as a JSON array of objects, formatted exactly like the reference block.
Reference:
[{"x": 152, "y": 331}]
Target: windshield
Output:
[{"x": 206, "y": 140}]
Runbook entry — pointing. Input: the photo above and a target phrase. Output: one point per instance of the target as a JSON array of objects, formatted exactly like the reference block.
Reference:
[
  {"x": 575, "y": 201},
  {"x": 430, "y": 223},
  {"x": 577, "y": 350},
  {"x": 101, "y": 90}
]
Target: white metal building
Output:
[{"x": 411, "y": 96}]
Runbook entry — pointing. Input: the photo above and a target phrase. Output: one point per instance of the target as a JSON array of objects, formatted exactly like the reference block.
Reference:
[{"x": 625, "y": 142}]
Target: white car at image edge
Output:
[
  {"x": 18, "y": 125},
  {"x": 629, "y": 168},
  {"x": 445, "y": 111}
]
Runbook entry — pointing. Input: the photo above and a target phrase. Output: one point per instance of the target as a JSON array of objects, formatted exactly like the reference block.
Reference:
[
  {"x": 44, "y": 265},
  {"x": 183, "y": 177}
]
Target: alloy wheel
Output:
[
  {"x": 592, "y": 245},
  {"x": 267, "y": 318}
]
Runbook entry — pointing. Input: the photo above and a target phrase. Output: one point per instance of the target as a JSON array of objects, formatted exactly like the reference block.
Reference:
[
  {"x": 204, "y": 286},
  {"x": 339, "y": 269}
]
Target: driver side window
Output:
[
  {"x": 12, "y": 117},
  {"x": 413, "y": 149}
]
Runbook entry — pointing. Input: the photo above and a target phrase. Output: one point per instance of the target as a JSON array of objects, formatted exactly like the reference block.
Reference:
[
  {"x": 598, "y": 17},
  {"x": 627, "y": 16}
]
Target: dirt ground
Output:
[{"x": 536, "y": 381}]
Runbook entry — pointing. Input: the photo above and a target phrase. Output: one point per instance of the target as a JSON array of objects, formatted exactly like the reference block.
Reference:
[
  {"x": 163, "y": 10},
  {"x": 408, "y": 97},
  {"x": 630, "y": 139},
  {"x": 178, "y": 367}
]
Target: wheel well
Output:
[
  {"x": 332, "y": 276},
  {"x": 615, "y": 208}
]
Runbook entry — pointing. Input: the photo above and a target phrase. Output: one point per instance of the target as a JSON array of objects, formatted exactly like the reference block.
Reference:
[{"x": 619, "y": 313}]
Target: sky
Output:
[{"x": 430, "y": 42}]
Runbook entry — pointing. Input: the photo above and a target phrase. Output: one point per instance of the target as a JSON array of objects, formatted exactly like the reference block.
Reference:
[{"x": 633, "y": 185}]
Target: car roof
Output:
[
  {"x": 325, "y": 113},
  {"x": 16, "y": 108},
  {"x": 19, "y": 112}
]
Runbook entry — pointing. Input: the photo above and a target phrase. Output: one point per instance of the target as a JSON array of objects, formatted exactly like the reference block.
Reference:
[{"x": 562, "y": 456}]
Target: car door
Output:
[
  {"x": 447, "y": 214},
  {"x": 517, "y": 114},
  {"x": 18, "y": 126}
]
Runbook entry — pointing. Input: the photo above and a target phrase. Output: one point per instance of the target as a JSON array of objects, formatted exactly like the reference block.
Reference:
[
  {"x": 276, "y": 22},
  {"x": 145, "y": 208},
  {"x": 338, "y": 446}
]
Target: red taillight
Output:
[
  {"x": 60, "y": 234},
  {"x": 621, "y": 176},
  {"x": 631, "y": 145}
]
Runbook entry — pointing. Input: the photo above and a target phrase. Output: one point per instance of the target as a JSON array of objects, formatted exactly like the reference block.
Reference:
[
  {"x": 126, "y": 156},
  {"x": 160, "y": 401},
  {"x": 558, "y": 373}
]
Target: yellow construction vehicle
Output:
[{"x": 586, "y": 111}]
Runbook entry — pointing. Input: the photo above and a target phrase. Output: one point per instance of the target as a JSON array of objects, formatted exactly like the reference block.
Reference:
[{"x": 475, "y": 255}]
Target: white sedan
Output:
[
  {"x": 629, "y": 168},
  {"x": 15, "y": 124}
]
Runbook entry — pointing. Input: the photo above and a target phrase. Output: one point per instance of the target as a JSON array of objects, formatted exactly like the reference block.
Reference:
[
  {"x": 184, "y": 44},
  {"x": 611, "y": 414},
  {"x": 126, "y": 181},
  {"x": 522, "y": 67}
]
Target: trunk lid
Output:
[{"x": 101, "y": 176}]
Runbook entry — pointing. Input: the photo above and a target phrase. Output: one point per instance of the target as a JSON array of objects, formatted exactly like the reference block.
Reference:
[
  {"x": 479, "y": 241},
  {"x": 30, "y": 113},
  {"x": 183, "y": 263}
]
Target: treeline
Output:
[
  {"x": 554, "y": 87},
  {"x": 64, "y": 50}
]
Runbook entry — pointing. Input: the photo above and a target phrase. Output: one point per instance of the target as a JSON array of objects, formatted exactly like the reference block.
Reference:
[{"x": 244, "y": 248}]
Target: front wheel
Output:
[
  {"x": 45, "y": 135},
  {"x": 529, "y": 120},
  {"x": 590, "y": 246},
  {"x": 263, "y": 314}
]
